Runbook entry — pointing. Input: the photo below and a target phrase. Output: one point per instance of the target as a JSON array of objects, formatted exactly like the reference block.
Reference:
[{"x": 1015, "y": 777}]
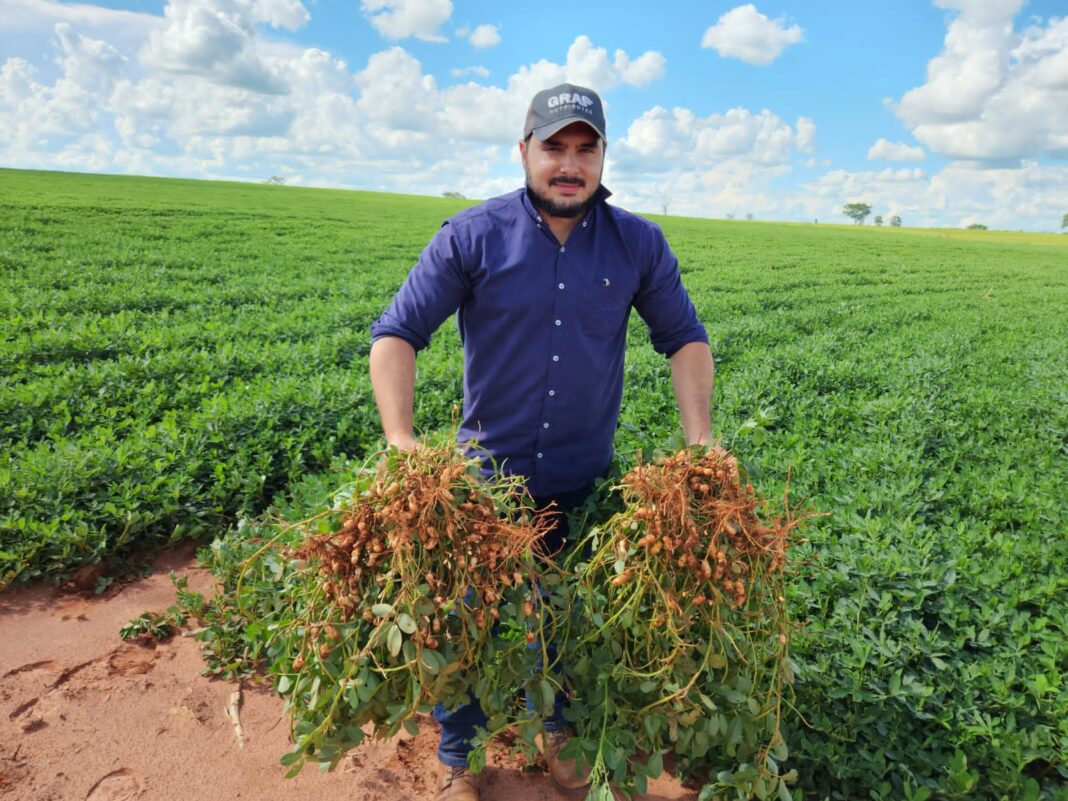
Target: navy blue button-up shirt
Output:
[{"x": 544, "y": 328}]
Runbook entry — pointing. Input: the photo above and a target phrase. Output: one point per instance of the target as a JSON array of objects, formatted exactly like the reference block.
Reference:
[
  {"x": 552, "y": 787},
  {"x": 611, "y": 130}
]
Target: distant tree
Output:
[
  {"x": 730, "y": 215},
  {"x": 275, "y": 180},
  {"x": 878, "y": 219},
  {"x": 1064, "y": 221},
  {"x": 453, "y": 195},
  {"x": 857, "y": 211},
  {"x": 895, "y": 222},
  {"x": 749, "y": 216},
  {"x": 976, "y": 227}
]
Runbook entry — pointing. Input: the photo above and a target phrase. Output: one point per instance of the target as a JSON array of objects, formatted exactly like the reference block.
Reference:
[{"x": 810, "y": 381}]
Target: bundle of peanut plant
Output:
[
  {"x": 415, "y": 590},
  {"x": 676, "y": 637}
]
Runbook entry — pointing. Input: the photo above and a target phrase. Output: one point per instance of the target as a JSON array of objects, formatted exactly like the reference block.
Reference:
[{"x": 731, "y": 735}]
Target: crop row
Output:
[{"x": 175, "y": 355}]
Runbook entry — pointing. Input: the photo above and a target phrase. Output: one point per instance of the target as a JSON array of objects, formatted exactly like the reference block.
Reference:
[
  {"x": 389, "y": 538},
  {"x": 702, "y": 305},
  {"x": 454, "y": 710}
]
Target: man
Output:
[{"x": 544, "y": 279}]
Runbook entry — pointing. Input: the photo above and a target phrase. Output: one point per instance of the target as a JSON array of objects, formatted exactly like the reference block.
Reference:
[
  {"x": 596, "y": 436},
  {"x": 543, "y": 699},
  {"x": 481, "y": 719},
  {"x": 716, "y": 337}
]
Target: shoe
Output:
[
  {"x": 564, "y": 772},
  {"x": 455, "y": 784}
]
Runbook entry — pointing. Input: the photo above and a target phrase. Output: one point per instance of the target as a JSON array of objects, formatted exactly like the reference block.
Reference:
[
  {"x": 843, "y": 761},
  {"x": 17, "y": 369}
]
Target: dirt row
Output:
[{"x": 87, "y": 717}]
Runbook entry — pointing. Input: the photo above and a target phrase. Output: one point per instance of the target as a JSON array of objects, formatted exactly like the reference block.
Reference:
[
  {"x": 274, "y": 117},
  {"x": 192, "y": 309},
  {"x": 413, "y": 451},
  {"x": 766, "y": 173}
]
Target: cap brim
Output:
[{"x": 545, "y": 131}]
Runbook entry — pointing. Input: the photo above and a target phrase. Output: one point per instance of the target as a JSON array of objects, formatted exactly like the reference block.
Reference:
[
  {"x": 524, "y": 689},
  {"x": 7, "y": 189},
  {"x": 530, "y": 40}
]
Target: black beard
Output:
[{"x": 554, "y": 208}]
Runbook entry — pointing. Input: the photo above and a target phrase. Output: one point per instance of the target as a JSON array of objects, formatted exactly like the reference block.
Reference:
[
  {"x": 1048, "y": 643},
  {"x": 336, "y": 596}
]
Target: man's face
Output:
[{"x": 564, "y": 171}]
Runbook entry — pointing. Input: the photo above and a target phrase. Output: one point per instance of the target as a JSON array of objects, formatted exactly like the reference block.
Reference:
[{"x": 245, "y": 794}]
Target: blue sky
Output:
[{"x": 945, "y": 113}]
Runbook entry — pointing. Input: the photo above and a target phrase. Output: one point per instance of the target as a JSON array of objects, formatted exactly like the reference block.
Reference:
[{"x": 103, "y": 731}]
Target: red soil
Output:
[{"x": 87, "y": 717}]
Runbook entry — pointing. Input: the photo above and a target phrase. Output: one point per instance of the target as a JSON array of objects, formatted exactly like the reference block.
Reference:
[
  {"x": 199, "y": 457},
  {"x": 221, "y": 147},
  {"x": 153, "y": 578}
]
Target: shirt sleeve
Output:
[
  {"x": 662, "y": 300},
  {"x": 434, "y": 289}
]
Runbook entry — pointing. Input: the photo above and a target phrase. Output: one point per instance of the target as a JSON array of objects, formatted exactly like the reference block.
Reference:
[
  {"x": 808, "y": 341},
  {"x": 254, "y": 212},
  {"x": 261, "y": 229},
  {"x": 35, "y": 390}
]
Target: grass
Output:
[{"x": 177, "y": 354}]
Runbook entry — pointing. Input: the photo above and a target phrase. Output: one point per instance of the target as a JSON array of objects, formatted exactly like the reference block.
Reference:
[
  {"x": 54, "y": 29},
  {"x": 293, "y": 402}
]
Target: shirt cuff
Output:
[
  {"x": 671, "y": 346},
  {"x": 380, "y": 330}
]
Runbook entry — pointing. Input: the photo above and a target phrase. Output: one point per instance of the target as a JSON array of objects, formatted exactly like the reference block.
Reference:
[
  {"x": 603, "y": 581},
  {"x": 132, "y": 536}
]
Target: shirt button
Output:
[
  {"x": 584, "y": 223},
  {"x": 558, "y": 322},
  {"x": 552, "y": 392},
  {"x": 561, "y": 286},
  {"x": 540, "y": 455},
  {"x": 556, "y": 358},
  {"x": 544, "y": 425},
  {"x": 562, "y": 249}
]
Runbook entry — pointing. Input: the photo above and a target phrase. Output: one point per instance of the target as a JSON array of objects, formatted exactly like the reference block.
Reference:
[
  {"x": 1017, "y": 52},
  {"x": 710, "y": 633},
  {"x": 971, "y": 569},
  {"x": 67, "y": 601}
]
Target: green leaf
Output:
[
  {"x": 432, "y": 661},
  {"x": 406, "y": 624},
  {"x": 655, "y": 764},
  {"x": 382, "y": 610},
  {"x": 700, "y": 744},
  {"x": 394, "y": 640},
  {"x": 291, "y": 757},
  {"x": 548, "y": 696},
  {"x": 650, "y": 721},
  {"x": 641, "y": 783},
  {"x": 294, "y": 771},
  {"x": 424, "y": 606}
]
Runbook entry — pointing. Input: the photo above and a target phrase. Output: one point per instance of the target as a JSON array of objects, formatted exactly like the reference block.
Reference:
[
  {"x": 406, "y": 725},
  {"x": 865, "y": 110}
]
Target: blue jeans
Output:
[{"x": 458, "y": 726}]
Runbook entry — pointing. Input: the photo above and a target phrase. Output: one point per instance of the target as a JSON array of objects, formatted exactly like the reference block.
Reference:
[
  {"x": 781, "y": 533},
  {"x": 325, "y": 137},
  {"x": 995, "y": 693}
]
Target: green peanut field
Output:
[{"x": 178, "y": 355}]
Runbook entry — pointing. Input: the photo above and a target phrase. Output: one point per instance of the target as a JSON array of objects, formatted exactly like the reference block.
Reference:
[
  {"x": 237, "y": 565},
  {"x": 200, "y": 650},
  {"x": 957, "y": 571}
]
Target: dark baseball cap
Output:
[{"x": 556, "y": 108}]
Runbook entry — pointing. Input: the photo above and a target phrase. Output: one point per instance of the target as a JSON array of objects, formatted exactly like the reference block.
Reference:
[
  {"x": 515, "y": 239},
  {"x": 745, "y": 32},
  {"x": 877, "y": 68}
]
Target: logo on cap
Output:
[{"x": 567, "y": 97}]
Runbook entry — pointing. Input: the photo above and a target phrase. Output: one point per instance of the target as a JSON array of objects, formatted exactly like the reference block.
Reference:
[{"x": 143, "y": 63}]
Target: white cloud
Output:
[
  {"x": 399, "y": 19},
  {"x": 588, "y": 65},
  {"x": 960, "y": 194},
  {"x": 745, "y": 33},
  {"x": 485, "y": 36},
  {"x": 66, "y": 114},
  {"x": 733, "y": 187},
  {"x": 18, "y": 81},
  {"x": 662, "y": 140},
  {"x": 216, "y": 40},
  {"x": 993, "y": 93},
  {"x": 493, "y": 114},
  {"x": 475, "y": 113},
  {"x": 645, "y": 69},
  {"x": 288, "y": 14},
  {"x": 478, "y": 69},
  {"x": 806, "y": 135},
  {"x": 91, "y": 104},
  {"x": 886, "y": 150},
  {"x": 395, "y": 93},
  {"x": 186, "y": 109},
  {"x": 719, "y": 164},
  {"x": 37, "y": 16},
  {"x": 85, "y": 60}
]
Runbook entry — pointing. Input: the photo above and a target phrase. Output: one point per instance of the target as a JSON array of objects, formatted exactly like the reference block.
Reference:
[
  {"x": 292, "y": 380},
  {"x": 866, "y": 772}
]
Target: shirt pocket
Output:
[{"x": 605, "y": 309}]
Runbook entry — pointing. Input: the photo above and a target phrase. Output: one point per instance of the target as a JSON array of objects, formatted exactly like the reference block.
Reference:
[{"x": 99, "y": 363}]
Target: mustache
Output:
[{"x": 568, "y": 181}]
